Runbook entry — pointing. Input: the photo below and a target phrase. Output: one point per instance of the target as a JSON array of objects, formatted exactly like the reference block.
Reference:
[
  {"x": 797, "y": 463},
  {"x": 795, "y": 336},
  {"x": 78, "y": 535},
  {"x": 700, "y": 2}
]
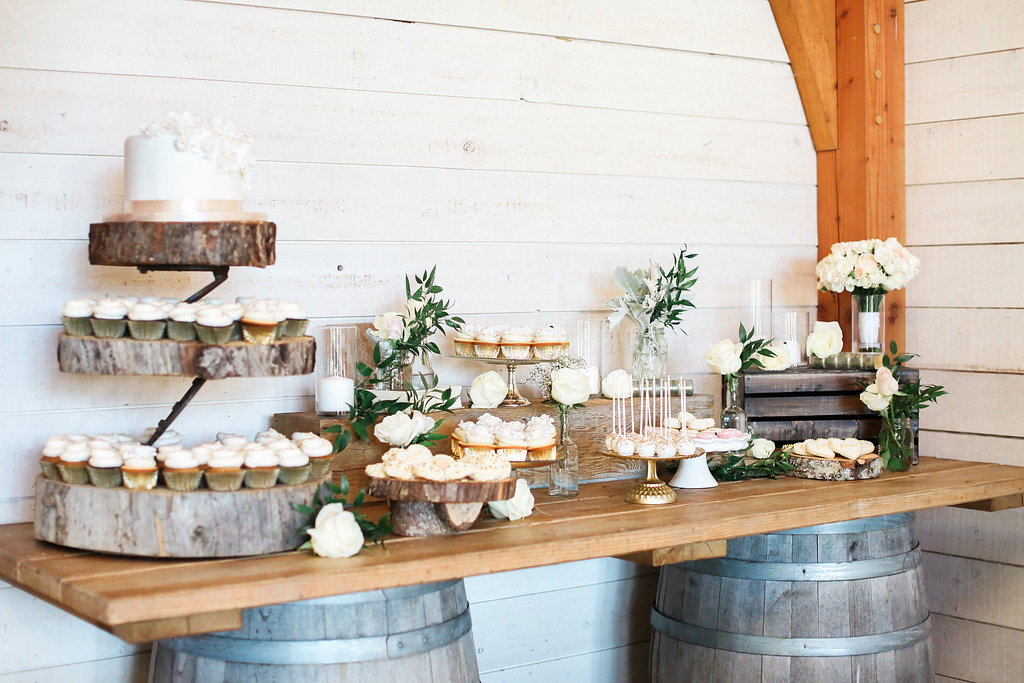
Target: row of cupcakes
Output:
[
  {"x": 512, "y": 342},
  {"x": 211, "y": 321},
  {"x": 224, "y": 465},
  {"x": 514, "y": 441},
  {"x": 418, "y": 462}
]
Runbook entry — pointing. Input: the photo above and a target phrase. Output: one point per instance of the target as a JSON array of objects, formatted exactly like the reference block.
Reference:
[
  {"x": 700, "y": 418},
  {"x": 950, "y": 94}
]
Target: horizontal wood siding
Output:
[
  {"x": 965, "y": 138},
  {"x": 525, "y": 148}
]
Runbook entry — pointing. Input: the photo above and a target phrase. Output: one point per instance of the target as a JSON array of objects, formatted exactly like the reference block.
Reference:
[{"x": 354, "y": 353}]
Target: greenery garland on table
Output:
[
  {"x": 373, "y": 532},
  {"x": 744, "y": 465}
]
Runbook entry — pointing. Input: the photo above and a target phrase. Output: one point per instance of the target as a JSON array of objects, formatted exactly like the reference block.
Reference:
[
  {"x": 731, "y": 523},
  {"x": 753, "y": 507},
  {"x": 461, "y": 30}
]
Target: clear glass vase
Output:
[
  {"x": 896, "y": 443},
  {"x": 650, "y": 353},
  {"x": 423, "y": 375},
  {"x": 733, "y": 415},
  {"x": 868, "y": 324},
  {"x": 395, "y": 367},
  {"x": 565, "y": 475}
]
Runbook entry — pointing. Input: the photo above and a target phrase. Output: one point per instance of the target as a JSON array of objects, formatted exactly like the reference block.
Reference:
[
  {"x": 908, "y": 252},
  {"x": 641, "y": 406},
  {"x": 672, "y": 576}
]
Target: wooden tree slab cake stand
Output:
[
  {"x": 433, "y": 508},
  {"x": 651, "y": 490}
]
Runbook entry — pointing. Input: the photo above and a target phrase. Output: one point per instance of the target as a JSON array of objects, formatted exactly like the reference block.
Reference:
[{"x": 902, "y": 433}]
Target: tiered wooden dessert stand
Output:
[{"x": 160, "y": 522}]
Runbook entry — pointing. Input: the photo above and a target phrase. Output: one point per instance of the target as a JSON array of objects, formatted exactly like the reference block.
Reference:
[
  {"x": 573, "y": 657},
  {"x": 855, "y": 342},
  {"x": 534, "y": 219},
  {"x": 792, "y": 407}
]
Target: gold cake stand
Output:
[{"x": 651, "y": 490}]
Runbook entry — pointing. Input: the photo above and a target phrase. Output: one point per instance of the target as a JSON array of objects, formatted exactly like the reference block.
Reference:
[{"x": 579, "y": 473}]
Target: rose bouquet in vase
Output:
[
  {"x": 868, "y": 269},
  {"x": 897, "y": 405},
  {"x": 655, "y": 300},
  {"x": 730, "y": 359}
]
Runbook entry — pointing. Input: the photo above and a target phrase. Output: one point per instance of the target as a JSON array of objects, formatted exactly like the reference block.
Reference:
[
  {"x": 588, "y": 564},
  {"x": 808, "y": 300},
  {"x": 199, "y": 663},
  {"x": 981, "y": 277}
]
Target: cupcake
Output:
[
  {"x": 139, "y": 472},
  {"x": 213, "y": 326},
  {"x": 295, "y": 319},
  {"x": 76, "y": 317},
  {"x": 298, "y": 437},
  {"x": 181, "y": 322},
  {"x": 540, "y": 438},
  {"x": 478, "y": 441},
  {"x": 234, "y": 310},
  {"x": 547, "y": 343},
  {"x": 464, "y": 340},
  {"x": 515, "y": 342},
  {"x": 52, "y": 449},
  {"x": 108, "y": 318},
  {"x": 261, "y": 468},
  {"x": 510, "y": 440},
  {"x": 146, "y": 322},
  {"x": 202, "y": 453},
  {"x": 279, "y": 444},
  {"x": 224, "y": 470},
  {"x": 234, "y": 442},
  {"x": 182, "y": 470},
  {"x": 486, "y": 341},
  {"x": 268, "y": 435},
  {"x": 320, "y": 453},
  {"x": 259, "y": 325},
  {"x": 294, "y": 464},
  {"x": 104, "y": 468},
  {"x": 72, "y": 463}
]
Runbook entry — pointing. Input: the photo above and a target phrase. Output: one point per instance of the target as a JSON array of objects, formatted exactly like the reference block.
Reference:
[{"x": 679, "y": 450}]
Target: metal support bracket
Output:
[
  {"x": 220, "y": 274},
  {"x": 162, "y": 426}
]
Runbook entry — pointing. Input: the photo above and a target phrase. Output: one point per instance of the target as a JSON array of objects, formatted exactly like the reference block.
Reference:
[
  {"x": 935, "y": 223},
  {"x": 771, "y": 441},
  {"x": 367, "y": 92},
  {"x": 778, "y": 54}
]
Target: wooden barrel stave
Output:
[
  {"x": 418, "y": 633},
  {"x": 828, "y": 588}
]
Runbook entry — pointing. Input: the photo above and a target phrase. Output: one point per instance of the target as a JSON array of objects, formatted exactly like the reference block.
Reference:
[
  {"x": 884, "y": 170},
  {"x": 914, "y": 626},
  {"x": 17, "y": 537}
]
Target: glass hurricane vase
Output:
[
  {"x": 868, "y": 324},
  {"x": 733, "y": 415},
  {"x": 565, "y": 475},
  {"x": 650, "y": 353},
  {"x": 896, "y": 443}
]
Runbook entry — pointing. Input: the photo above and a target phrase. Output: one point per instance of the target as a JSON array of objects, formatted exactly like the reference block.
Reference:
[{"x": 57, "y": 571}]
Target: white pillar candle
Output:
[
  {"x": 594, "y": 377},
  {"x": 334, "y": 394}
]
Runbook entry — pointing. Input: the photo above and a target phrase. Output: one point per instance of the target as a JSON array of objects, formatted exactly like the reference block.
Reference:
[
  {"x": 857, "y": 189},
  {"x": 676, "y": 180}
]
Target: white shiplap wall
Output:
[
  {"x": 526, "y": 148},
  {"x": 965, "y": 200}
]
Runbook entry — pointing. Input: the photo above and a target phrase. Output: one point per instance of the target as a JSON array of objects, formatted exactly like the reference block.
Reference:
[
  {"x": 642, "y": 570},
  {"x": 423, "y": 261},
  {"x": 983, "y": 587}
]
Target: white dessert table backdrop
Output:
[{"x": 525, "y": 148}]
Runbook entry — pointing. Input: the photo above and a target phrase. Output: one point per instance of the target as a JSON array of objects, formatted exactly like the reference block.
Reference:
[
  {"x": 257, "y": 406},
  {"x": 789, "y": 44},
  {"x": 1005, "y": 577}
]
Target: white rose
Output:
[
  {"x": 825, "y": 340},
  {"x": 397, "y": 430},
  {"x": 412, "y": 307},
  {"x": 488, "y": 390},
  {"x": 873, "y": 400},
  {"x": 518, "y": 506},
  {"x": 618, "y": 384},
  {"x": 336, "y": 532},
  {"x": 762, "y": 448},
  {"x": 724, "y": 357},
  {"x": 569, "y": 386},
  {"x": 779, "y": 362},
  {"x": 424, "y": 423},
  {"x": 886, "y": 384},
  {"x": 388, "y": 325}
]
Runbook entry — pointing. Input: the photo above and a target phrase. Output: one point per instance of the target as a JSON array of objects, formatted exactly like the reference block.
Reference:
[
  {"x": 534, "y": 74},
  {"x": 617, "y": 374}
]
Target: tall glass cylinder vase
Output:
[
  {"x": 896, "y": 443},
  {"x": 733, "y": 415},
  {"x": 868, "y": 324},
  {"x": 565, "y": 475},
  {"x": 423, "y": 375},
  {"x": 650, "y": 353},
  {"x": 336, "y": 370}
]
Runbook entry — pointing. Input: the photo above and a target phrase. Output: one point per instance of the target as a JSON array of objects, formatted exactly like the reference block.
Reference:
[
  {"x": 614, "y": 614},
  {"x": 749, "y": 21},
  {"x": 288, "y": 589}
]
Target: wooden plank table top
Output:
[{"x": 145, "y": 599}]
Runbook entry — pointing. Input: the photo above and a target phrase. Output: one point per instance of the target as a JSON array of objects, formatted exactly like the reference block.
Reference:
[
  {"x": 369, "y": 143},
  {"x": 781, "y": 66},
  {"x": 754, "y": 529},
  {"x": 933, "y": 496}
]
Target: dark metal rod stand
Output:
[
  {"x": 220, "y": 274},
  {"x": 162, "y": 426}
]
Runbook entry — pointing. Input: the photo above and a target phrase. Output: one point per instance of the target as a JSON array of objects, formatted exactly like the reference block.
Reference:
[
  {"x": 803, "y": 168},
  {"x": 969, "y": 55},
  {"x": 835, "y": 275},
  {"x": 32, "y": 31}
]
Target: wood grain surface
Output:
[
  {"x": 117, "y": 591},
  {"x": 182, "y": 244},
  {"x": 165, "y": 357},
  {"x": 442, "y": 491}
]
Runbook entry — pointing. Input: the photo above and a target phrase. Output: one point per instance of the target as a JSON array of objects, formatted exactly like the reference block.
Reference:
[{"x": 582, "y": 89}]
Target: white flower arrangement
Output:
[
  {"x": 654, "y": 297},
  {"x": 871, "y": 266}
]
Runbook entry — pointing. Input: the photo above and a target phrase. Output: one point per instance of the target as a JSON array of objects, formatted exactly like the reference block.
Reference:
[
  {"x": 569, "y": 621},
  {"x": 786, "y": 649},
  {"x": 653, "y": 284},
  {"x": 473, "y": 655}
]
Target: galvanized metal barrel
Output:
[
  {"x": 418, "y": 633},
  {"x": 835, "y": 602}
]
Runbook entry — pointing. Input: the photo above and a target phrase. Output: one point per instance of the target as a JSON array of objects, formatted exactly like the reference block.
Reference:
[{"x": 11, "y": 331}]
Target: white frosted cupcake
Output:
[
  {"x": 52, "y": 449},
  {"x": 182, "y": 470},
  {"x": 139, "y": 472},
  {"x": 486, "y": 342},
  {"x": 261, "y": 468},
  {"x": 235, "y": 310},
  {"x": 104, "y": 467},
  {"x": 224, "y": 470},
  {"x": 108, "y": 319},
  {"x": 202, "y": 453},
  {"x": 320, "y": 453},
  {"x": 213, "y": 326},
  {"x": 510, "y": 440},
  {"x": 181, "y": 322},
  {"x": 515, "y": 342},
  {"x": 478, "y": 441},
  {"x": 147, "y": 322},
  {"x": 294, "y": 464},
  {"x": 72, "y": 463},
  {"x": 77, "y": 317},
  {"x": 295, "y": 319},
  {"x": 259, "y": 324},
  {"x": 547, "y": 342},
  {"x": 464, "y": 340},
  {"x": 268, "y": 435},
  {"x": 540, "y": 438},
  {"x": 235, "y": 442}
]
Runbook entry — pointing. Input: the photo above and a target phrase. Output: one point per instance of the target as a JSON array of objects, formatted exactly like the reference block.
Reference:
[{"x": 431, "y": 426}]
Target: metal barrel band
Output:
[
  {"x": 847, "y": 646},
  {"x": 340, "y": 651},
  {"x": 853, "y": 526},
  {"x": 813, "y": 571}
]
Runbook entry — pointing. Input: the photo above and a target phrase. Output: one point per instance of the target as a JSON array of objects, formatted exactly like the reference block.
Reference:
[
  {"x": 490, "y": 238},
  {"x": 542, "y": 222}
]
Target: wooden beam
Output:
[
  {"x": 1010, "y": 502},
  {"x": 659, "y": 557},
  {"x": 808, "y": 30},
  {"x": 177, "y": 627}
]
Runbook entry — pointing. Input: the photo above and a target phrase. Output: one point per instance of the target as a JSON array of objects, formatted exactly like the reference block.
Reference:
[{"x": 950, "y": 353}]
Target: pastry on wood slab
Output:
[{"x": 834, "y": 459}]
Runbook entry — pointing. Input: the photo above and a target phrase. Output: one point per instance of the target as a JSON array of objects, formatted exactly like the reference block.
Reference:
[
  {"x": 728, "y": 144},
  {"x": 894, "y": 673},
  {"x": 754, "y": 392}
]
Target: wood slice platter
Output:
[
  {"x": 228, "y": 243},
  {"x": 835, "y": 469},
  {"x": 94, "y": 356},
  {"x": 165, "y": 523},
  {"x": 430, "y": 508}
]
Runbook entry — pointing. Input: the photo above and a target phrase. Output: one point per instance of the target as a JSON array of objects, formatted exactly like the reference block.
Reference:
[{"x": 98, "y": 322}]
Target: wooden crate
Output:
[
  {"x": 804, "y": 403},
  {"x": 589, "y": 426}
]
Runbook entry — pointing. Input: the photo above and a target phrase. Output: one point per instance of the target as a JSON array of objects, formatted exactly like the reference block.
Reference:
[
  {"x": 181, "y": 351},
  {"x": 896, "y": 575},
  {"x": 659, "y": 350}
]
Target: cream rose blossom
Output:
[
  {"x": 488, "y": 390},
  {"x": 618, "y": 384},
  {"x": 779, "y": 362},
  {"x": 873, "y": 400},
  {"x": 336, "y": 532},
  {"x": 397, "y": 430},
  {"x": 886, "y": 384},
  {"x": 569, "y": 386},
  {"x": 389, "y": 325},
  {"x": 520, "y": 505},
  {"x": 724, "y": 357},
  {"x": 762, "y": 448},
  {"x": 825, "y": 340}
]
